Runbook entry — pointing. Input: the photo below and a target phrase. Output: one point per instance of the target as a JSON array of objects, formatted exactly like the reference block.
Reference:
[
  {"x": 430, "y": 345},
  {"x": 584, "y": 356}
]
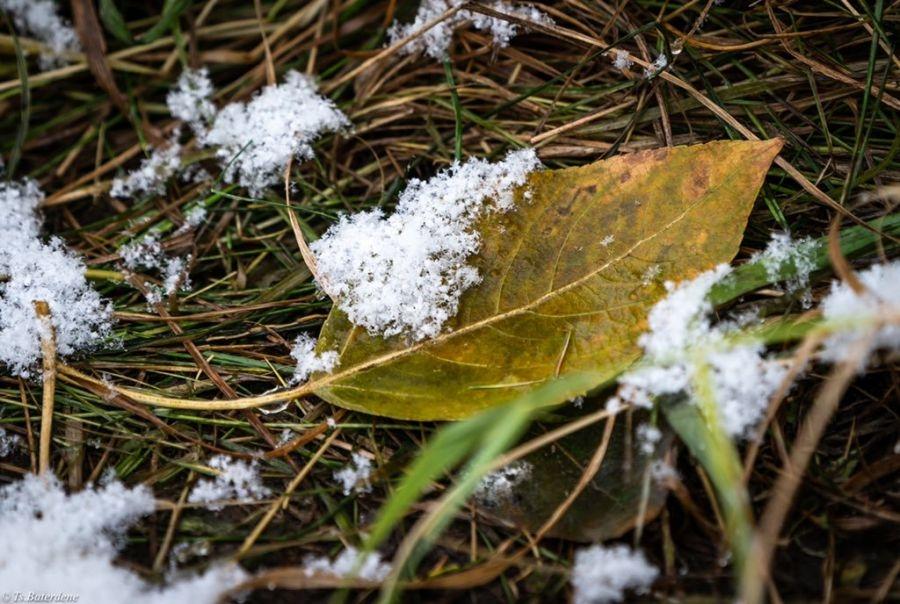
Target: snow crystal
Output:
[
  {"x": 854, "y": 315},
  {"x": 191, "y": 100},
  {"x": 405, "y": 273},
  {"x": 59, "y": 543},
  {"x": 682, "y": 342},
  {"x": 497, "y": 487},
  {"x": 236, "y": 479},
  {"x": 308, "y": 361},
  {"x": 255, "y": 140},
  {"x": 349, "y": 563},
  {"x": 152, "y": 174},
  {"x": 436, "y": 41},
  {"x": 607, "y": 240},
  {"x": 35, "y": 270},
  {"x": 354, "y": 477},
  {"x": 41, "y": 20},
  {"x": 662, "y": 472},
  {"x": 602, "y": 574},
  {"x": 621, "y": 59}
]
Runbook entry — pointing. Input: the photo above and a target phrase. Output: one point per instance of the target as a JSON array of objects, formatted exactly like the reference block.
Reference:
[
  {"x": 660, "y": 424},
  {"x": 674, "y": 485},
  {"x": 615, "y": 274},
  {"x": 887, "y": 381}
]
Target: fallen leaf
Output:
[{"x": 567, "y": 280}]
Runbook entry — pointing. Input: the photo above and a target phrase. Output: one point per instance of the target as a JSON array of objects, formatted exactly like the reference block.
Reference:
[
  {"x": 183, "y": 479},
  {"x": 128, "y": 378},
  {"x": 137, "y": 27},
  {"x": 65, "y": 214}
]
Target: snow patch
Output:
[
  {"x": 35, "y": 270},
  {"x": 405, "y": 273}
]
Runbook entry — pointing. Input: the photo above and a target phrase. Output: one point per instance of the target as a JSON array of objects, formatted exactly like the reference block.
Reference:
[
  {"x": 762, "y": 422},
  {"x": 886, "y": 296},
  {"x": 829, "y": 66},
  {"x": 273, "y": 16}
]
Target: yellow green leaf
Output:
[{"x": 567, "y": 280}]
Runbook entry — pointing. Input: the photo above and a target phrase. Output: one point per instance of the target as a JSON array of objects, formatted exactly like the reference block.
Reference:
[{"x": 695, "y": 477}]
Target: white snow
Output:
[
  {"x": 648, "y": 436},
  {"x": 784, "y": 255},
  {"x": 855, "y": 316},
  {"x": 682, "y": 341},
  {"x": 621, "y": 59},
  {"x": 255, "y": 140},
  {"x": 236, "y": 479},
  {"x": 191, "y": 100},
  {"x": 41, "y": 19},
  {"x": 309, "y": 361},
  {"x": 436, "y": 41},
  {"x": 151, "y": 175},
  {"x": 354, "y": 477},
  {"x": 8, "y": 442},
  {"x": 35, "y": 270},
  {"x": 54, "y": 543},
  {"x": 602, "y": 574},
  {"x": 147, "y": 253},
  {"x": 405, "y": 273},
  {"x": 497, "y": 487},
  {"x": 349, "y": 563},
  {"x": 661, "y": 62}
]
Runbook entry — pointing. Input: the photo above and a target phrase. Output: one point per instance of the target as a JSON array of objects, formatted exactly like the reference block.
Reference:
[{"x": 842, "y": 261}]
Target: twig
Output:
[{"x": 48, "y": 351}]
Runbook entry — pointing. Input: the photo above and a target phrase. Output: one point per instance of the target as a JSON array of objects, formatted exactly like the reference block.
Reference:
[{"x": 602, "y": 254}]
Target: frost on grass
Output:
[
  {"x": 496, "y": 488},
  {"x": 236, "y": 479},
  {"x": 405, "y": 273},
  {"x": 682, "y": 346},
  {"x": 55, "y": 542},
  {"x": 792, "y": 260},
  {"x": 40, "y": 19},
  {"x": 872, "y": 315},
  {"x": 349, "y": 563},
  {"x": 309, "y": 361},
  {"x": 191, "y": 100},
  {"x": 256, "y": 140},
  {"x": 35, "y": 270},
  {"x": 354, "y": 477},
  {"x": 603, "y": 574},
  {"x": 151, "y": 175},
  {"x": 436, "y": 41}
]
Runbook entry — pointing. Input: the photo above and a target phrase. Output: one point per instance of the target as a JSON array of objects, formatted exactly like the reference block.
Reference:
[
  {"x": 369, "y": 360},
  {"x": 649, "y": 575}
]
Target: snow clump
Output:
[
  {"x": 309, "y": 361},
  {"x": 796, "y": 258},
  {"x": 405, "y": 273},
  {"x": 350, "y": 563},
  {"x": 58, "y": 543},
  {"x": 151, "y": 175},
  {"x": 436, "y": 41},
  {"x": 855, "y": 315},
  {"x": 354, "y": 477},
  {"x": 255, "y": 140},
  {"x": 682, "y": 343},
  {"x": 497, "y": 487},
  {"x": 35, "y": 270},
  {"x": 602, "y": 574},
  {"x": 41, "y": 19},
  {"x": 237, "y": 479}
]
